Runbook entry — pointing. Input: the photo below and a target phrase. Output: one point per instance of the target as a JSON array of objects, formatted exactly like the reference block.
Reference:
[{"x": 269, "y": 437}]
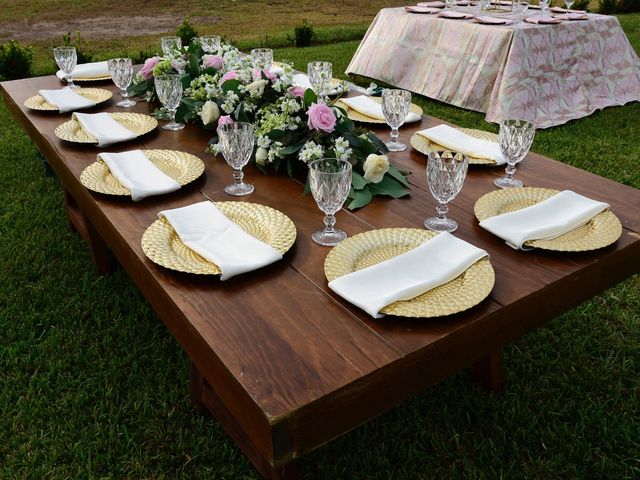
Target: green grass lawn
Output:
[{"x": 92, "y": 385}]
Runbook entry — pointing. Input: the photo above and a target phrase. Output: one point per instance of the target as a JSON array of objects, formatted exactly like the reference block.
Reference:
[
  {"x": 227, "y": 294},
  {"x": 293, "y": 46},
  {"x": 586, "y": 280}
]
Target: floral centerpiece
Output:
[{"x": 292, "y": 126}]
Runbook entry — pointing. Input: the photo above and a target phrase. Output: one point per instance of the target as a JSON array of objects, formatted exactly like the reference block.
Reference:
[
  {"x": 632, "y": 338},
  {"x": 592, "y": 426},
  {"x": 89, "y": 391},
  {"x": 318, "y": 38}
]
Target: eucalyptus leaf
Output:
[
  {"x": 388, "y": 186},
  {"x": 309, "y": 97},
  {"x": 362, "y": 198},
  {"x": 398, "y": 175},
  {"x": 232, "y": 84},
  {"x": 358, "y": 181}
]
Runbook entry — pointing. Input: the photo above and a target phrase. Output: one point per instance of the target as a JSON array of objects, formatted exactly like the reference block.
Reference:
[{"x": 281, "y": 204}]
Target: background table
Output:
[
  {"x": 285, "y": 364},
  {"x": 547, "y": 74}
]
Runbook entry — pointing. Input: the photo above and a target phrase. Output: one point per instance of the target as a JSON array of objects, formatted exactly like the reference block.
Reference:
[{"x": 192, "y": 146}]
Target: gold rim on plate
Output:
[
  {"x": 375, "y": 246},
  {"x": 601, "y": 231},
  {"x": 182, "y": 167},
  {"x": 138, "y": 123},
  {"x": 426, "y": 146},
  {"x": 359, "y": 117},
  {"x": 97, "y": 95},
  {"x": 162, "y": 245}
]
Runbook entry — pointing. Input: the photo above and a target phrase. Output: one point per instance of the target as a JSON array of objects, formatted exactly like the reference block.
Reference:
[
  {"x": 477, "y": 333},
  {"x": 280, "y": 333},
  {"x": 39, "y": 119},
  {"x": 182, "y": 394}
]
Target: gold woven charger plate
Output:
[
  {"x": 602, "y": 230},
  {"x": 426, "y": 146},
  {"x": 375, "y": 246},
  {"x": 359, "y": 117},
  {"x": 97, "y": 95},
  {"x": 162, "y": 245},
  {"x": 182, "y": 167},
  {"x": 138, "y": 123}
]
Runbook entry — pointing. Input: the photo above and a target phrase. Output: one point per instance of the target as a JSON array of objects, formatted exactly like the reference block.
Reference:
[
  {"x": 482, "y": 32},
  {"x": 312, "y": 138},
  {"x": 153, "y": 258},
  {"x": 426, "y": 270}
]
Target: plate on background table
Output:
[
  {"x": 162, "y": 245},
  {"x": 601, "y": 231},
  {"x": 138, "y": 123},
  {"x": 359, "y": 117},
  {"x": 455, "y": 15},
  {"x": 488, "y": 20},
  {"x": 426, "y": 146},
  {"x": 375, "y": 246},
  {"x": 97, "y": 95},
  {"x": 183, "y": 167}
]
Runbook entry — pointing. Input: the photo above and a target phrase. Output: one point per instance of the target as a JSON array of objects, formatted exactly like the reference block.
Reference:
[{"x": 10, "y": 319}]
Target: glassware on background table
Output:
[
  {"x": 395, "y": 108},
  {"x": 516, "y": 137},
  {"x": 568, "y": 3},
  {"x": 320, "y": 75},
  {"x": 169, "y": 90},
  {"x": 236, "y": 141},
  {"x": 520, "y": 9},
  {"x": 449, "y": 4},
  {"x": 544, "y": 6},
  {"x": 170, "y": 44},
  {"x": 330, "y": 182},
  {"x": 484, "y": 4},
  {"x": 66, "y": 58},
  {"x": 262, "y": 58},
  {"x": 210, "y": 44},
  {"x": 446, "y": 172},
  {"x": 121, "y": 70}
]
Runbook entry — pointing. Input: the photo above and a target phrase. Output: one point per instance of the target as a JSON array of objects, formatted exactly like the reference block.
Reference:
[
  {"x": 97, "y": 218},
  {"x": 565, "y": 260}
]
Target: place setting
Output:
[
  {"x": 67, "y": 100},
  {"x": 366, "y": 109},
  {"x": 103, "y": 129}
]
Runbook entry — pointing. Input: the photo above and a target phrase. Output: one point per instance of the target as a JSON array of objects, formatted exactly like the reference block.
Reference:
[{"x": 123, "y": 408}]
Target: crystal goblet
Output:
[
  {"x": 210, "y": 43},
  {"x": 446, "y": 172},
  {"x": 544, "y": 6},
  {"x": 520, "y": 9},
  {"x": 516, "y": 137},
  {"x": 121, "y": 70},
  {"x": 169, "y": 90},
  {"x": 170, "y": 44},
  {"x": 395, "y": 108},
  {"x": 66, "y": 58},
  {"x": 568, "y": 3},
  {"x": 320, "y": 75},
  {"x": 262, "y": 58},
  {"x": 449, "y": 4},
  {"x": 330, "y": 182},
  {"x": 236, "y": 141}
]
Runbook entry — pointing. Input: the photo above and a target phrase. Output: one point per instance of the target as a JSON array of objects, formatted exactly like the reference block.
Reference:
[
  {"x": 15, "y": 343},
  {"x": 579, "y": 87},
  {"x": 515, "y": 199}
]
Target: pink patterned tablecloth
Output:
[{"x": 547, "y": 74}]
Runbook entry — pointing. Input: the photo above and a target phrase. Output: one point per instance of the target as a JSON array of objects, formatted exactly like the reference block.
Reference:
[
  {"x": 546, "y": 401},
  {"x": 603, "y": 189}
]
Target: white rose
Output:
[
  {"x": 261, "y": 156},
  {"x": 257, "y": 86},
  {"x": 375, "y": 167},
  {"x": 210, "y": 112}
]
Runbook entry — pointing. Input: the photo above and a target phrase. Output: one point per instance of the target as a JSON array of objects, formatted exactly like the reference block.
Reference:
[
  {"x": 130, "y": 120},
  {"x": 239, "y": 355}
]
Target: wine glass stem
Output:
[
  {"x": 123, "y": 92},
  {"x": 172, "y": 113},
  {"x": 237, "y": 176},
  {"x": 70, "y": 83},
  {"x": 442, "y": 210},
  {"x": 394, "y": 134},
  {"x": 511, "y": 169},
  {"x": 329, "y": 223}
]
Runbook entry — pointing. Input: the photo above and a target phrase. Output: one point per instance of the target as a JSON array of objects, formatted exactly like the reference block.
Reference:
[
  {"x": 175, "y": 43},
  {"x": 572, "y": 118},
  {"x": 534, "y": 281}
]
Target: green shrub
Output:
[
  {"x": 186, "y": 32},
  {"x": 69, "y": 41},
  {"x": 15, "y": 61},
  {"x": 581, "y": 5},
  {"x": 607, "y": 7},
  {"x": 628, "y": 6},
  {"x": 303, "y": 34}
]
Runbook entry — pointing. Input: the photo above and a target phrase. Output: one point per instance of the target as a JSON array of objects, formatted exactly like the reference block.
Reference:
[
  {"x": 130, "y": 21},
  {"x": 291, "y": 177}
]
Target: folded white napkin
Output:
[
  {"x": 369, "y": 107},
  {"x": 136, "y": 172},
  {"x": 88, "y": 71},
  {"x": 301, "y": 80},
  {"x": 276, "y": 69},
  {"x": 104, "y": 128},
  {"x": 435, "y": 262},
  {"x": 205, "y": 229},
  {"x": 559, "y": 214},
  {"x": 453, "y": 139},
  {"x": 66, "y": 99}
]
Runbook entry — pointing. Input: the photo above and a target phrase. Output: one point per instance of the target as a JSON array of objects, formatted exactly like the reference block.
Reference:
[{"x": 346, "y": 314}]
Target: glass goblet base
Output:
[
  {"x": 72, "y": 86},
  {"x": 396, "y": 146},
  {"x": 126, "y": 103},
  {"x": 507, "y": 182},
  {"x": 239, "y": 189},
  {"x": 438, "y": 224},
  {"x": 173, "y": 126},
  {"x": 328, "y": 238}
]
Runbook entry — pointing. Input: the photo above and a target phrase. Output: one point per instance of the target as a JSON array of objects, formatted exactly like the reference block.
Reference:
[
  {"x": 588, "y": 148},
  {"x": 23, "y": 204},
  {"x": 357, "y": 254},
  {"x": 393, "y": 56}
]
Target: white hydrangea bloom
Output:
[{"x": 311, "y": 151}]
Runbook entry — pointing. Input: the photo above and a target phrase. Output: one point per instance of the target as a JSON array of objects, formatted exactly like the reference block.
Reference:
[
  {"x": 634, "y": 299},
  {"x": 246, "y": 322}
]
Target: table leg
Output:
[
  {"x": 204, "y": 399},
  {"x": 79, "y": 223},
  {"x": 488, "y": 371}
]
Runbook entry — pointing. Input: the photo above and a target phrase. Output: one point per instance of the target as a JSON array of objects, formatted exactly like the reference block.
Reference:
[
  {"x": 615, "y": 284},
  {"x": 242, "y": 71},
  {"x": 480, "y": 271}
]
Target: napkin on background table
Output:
[
  {"x": 208, "y": 232},
  {"x": 435, "y": 262},
  {"x": 104, "y": 128},
  {"x": 434, "y": 4},
  {"x": 548, "y": 219},
  {"x": 453, "y": 139},
  {"x": 369, "y": 107},
  {"x": 66, "y": 99},
  {"x": 488, "y": 20},
  {"x": 542, "y": 20},
  {"x": 88, "y": 71},
  {"x": 417, "y": 9},
  {"x": 136, "y": 172},
  {"x": 573, "y": 16}
]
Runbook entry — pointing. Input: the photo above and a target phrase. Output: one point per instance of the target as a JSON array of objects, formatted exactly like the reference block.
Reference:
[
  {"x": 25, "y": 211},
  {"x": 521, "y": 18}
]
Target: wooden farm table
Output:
[{"x": 283, "y": 363}]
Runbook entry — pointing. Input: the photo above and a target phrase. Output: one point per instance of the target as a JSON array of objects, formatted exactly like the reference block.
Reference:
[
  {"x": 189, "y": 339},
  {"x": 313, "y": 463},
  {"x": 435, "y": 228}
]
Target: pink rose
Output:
[
  {"x": 257, "y": 74},
  {"x": 147, "y": 69},
  {"x": 225, "y": 120},
  {"x": 321, "y": 117},
  {"x": 230, "y": 75},
  {"x": 212, "y": 61},
  {"x": 297, "y": 91}
]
